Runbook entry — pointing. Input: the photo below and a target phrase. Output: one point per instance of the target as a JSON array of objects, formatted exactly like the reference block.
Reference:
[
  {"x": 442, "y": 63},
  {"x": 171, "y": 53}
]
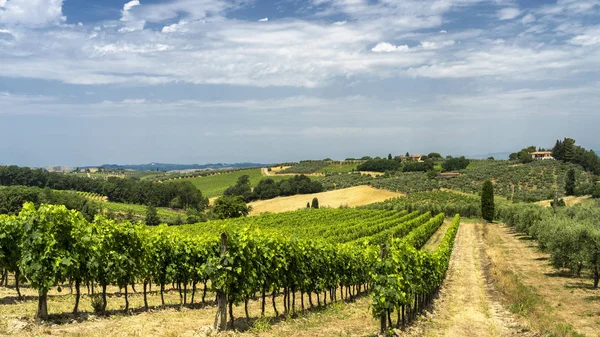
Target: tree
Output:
[
  {"x": 434, "y": 156},
  {"x": 570, "y": 183},
  {"x": 152, "y": 218},
  {"x": 315, "y": 203},
  {"x": 389, "y": 156},
  {"x": 455, "y": 164},
  {"x": 487, "y": 201},
  {"x": 231, "y": 207}
]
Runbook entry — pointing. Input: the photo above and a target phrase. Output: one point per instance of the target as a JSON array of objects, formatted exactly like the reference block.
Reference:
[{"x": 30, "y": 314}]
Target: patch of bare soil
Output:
[
  {"x": 465, "y": 306},
  {"x": 570, "y": 200},
  {"x": 353, "y": 196}
]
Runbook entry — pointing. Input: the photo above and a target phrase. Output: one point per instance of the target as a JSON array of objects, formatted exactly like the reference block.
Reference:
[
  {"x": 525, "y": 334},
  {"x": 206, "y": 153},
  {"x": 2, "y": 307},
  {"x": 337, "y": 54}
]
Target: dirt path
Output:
[
  {"x": 565, "y": 299},
  {"x": 465, "y": 306}
]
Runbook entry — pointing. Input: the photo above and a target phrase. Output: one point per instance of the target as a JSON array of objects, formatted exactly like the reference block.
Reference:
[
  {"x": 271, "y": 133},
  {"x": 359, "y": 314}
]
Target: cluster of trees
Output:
[
  {"x": 571, "y": 237},
  {"x": 380, "y": 165},
  {"x": 455, "y": 164},
  {"x": 176, "y": 194},
  {"x": 268, "y": 189},
  {"x": 523, "y": 156},
  {"x": 12, "y": 199},
  {"x": 567, "y": 151}
]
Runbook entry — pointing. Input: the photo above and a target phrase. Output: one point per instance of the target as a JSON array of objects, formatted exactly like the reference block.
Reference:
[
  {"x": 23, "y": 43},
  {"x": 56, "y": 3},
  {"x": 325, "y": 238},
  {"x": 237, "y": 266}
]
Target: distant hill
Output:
[
  {"x": 177, "y": 167},
  {"x": 496, "y": 155}
]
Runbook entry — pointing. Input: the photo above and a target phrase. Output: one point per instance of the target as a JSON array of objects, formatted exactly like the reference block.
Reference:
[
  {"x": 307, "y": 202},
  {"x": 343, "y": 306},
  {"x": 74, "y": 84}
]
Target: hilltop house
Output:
[
  {"x": 541, "y": 155},
  {"x": 414, "y": 157}
]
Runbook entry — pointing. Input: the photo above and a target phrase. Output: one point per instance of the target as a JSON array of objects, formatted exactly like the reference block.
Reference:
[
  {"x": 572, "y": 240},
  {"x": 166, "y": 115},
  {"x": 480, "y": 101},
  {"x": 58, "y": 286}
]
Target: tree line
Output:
[
  {"x": 181, "y": 195},
  {"x": 268, "y": 189}
]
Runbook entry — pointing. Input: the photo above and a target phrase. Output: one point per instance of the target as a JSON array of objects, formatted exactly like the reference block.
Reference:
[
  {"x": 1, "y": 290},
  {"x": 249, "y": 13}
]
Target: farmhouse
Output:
[
  {"x": 414, "y": 157},
  {"x": 542, "y": 155}
]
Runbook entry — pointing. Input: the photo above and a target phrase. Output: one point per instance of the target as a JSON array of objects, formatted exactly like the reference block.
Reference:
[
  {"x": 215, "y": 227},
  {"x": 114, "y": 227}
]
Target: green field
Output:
[
  {"x": 215, "y": 185},
  {"x": 338, "y": 168},
  {"x": 140, "y": 210}
]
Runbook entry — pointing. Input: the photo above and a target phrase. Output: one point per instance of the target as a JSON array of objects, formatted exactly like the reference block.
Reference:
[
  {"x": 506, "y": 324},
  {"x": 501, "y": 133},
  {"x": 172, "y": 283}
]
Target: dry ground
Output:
[
  {"x": 570, "y": 200},
  {"x": 557, "y": 303},
  {"x": 465, "y": 306},
  {"x": 274, "y": 172},
  {"x": 353, "y": 196}
]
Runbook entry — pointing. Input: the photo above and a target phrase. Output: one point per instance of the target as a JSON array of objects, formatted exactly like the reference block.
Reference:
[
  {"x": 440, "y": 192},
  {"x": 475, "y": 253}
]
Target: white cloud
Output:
[
  {"x": 436, "y": 45},
  {"x": 384, "y": 47},
  {"x": 443, "y": 31},
  {"x": 131, "y": 22},
  {"x": 176, "y": 27},
  {"x": 529, "y": 18},
  {"x": 31, "y": 12},
  {"x": 590, "y": 36},
  {"x": 263, "y": 20},
  {"x": 508, "y": 13}
]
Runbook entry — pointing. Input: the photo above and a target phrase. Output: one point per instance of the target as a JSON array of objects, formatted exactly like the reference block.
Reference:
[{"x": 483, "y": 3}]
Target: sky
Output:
[{"x": 87, "y": 82}]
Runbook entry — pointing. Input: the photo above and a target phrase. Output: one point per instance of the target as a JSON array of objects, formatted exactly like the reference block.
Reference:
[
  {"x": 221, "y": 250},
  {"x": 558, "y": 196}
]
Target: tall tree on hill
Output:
[
  {"x": 389, "y": 156},
  {"x": 152, "y": 218},
  {"x": 487, "y": 201},
  {"x": 570, "y": 183}
]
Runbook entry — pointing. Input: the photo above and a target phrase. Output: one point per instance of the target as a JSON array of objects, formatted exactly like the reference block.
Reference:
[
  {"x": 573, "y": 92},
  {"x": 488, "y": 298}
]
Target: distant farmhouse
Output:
[
  {"x": 414, "y": 157},
  {"x": 541, "y": 155}
]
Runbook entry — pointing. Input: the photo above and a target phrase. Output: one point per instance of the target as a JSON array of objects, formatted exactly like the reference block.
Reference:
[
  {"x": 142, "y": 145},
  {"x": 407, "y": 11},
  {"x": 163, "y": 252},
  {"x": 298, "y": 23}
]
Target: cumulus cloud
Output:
[
  {"x": 508, "y": 13},
  {"x": 263, "y": 20},
  {"x": 31, "y": 12},
  {"x": 384, "y": 47}
]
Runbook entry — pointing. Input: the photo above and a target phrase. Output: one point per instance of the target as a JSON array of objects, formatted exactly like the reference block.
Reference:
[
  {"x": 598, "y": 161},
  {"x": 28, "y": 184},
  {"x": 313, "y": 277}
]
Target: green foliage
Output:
[
  {"x": 570, "y": 182},
  {"x": 152, "y": 218},
  {"x": 455, "y": 164},
  {"x": 406, "y": 273},
  {"x": 487, "y": 201},
  {"x": 230, "y": 207},
  {"x": 572, "y": 237},
  {"x": 434, "y": 202},
  {"x": 128, "y": 190},
  {"x": 379, "y": 165},
  {"x": 315, "y": 203},
  {"x": 307, "y": 166},
  {"x": 299, "y": 184}
]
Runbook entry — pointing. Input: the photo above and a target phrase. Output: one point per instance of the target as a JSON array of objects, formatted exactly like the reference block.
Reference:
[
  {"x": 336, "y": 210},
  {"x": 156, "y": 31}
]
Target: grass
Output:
[
  {"x": 140, "y": 210},
  {"x": 215, "y": 185},
  {"x": 338, "y": 168},
  {"x": 522, "y": 299}
]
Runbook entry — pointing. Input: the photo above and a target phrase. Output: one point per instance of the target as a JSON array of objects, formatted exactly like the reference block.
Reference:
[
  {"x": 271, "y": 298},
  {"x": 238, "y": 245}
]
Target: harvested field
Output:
[{"x": 354, "y": 196}]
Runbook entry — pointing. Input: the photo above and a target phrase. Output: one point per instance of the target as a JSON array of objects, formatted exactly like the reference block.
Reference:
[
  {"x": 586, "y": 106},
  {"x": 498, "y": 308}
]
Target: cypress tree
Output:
[
  {"x": 570, "y": 183},
  {"x": 152, "y": 218},
  {"x": 315, "y": 203},
  {"x": 487, "y": 201}
]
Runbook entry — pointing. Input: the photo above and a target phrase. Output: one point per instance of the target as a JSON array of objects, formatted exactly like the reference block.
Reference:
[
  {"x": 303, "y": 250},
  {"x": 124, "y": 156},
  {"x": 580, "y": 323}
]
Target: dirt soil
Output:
[
  {"x": 353, "y": 196},
  {"x": 465, "y": 306},
  {"x": 570, "y": 200}
]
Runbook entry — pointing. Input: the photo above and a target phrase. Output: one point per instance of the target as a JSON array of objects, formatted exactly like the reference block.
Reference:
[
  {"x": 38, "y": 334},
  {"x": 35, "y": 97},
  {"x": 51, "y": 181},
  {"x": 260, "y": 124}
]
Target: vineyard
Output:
[
  {"x": 334, "y": 255},
  {"x": 93, "y": 196}
]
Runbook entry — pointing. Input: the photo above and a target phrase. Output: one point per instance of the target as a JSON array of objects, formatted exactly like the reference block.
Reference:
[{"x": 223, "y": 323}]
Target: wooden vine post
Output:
[
  {"x": 221, "y": 317},
  {"x": 383, "y": 318}
]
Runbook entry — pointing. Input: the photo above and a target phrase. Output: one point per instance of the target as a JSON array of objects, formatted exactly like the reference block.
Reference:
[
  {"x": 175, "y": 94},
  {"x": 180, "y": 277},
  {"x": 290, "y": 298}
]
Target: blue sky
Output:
[{"x": 195, "y": 81}]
